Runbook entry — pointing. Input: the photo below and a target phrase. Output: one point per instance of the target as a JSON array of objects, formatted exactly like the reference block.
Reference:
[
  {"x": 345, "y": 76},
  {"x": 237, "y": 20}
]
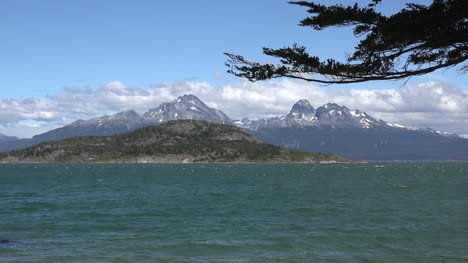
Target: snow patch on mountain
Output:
[
  {"x": 396, "y": 125},
  {"x": 185, "y": 107}
]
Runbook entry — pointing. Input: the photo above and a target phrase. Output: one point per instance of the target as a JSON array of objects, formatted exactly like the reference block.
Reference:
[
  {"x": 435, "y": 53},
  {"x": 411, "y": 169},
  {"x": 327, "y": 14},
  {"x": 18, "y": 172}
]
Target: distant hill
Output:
[
  {"x": 106, "y": 125},
  {"x": 173, "y": 142},
  {"x": 4, "y": 138},
  {"x": 369, "y": 144}
]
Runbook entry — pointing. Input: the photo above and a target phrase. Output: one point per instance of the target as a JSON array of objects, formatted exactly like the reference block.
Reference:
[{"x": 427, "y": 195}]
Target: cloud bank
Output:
[{"x": 438, "y": 105}]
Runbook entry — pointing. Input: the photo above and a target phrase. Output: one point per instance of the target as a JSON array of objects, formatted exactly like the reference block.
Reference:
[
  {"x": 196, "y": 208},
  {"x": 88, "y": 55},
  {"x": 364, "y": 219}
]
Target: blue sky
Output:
[{"x": 50, "y": 45}]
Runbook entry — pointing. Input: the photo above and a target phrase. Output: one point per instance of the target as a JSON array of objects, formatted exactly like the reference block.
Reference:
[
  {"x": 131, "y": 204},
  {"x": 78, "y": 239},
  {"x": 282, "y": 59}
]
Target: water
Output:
[{"x": 234, "y": 213}]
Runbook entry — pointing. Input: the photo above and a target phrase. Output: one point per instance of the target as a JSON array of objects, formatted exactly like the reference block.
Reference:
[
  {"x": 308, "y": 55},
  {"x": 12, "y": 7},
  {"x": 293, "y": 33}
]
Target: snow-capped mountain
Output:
[
  {"x": 303, "y": 114},
  {"x": 5, "y": 138},
  {"x": 301, "y": 111},
  {"x": 354, "y": 134},
  {"x": 185, "y": 107}
]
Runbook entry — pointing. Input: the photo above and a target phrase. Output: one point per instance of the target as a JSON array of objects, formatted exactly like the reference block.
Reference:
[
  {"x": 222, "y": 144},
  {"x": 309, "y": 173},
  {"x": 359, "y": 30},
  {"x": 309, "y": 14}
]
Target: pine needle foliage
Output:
[{"x": 417, "y": 40}]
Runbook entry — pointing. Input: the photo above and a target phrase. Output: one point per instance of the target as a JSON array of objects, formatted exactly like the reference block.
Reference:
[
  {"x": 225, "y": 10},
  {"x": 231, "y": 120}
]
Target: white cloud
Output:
[
  {"x": 33, "y": 108},
  {"x": 433, "y": 104}
]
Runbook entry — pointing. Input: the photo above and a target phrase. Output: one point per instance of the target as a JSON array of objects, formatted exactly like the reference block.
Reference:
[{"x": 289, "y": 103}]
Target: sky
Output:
[{"x": 68, "y": 60}]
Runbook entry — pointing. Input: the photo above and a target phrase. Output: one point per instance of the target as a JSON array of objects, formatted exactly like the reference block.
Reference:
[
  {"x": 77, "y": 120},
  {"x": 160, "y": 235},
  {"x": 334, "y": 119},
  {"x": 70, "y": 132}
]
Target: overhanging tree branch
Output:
[{"x": 417, "y": 40}]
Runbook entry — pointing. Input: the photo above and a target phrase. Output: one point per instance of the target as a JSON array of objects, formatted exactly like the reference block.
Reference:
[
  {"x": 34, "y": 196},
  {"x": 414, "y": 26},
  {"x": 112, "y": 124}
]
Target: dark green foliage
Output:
[
  {"x": 174, "y": 141},
  {"x": 417, "y": 40}
]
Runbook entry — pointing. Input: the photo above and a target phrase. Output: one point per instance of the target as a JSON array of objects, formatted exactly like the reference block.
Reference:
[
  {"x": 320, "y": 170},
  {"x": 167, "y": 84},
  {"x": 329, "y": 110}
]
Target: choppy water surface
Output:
[{"x": 234, "y": 213}]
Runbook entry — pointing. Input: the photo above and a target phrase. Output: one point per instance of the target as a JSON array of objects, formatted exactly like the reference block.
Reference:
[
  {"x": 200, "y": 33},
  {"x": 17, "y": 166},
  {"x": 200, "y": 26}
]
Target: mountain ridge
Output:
[
  {"x": 330, "y": 114},
  {"x": 5, "y": 138}
]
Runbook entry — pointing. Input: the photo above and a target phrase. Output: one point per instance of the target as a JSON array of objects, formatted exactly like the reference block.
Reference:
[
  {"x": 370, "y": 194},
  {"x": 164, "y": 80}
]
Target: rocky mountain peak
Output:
[
  {"x": 303, "y": 114},
  {"x": 301, "y": 111},
  {"x": 127, "y": 114},
  {"x": 330, "y": 107},
  {"x": 332, "y": 110},
  {"x": 189, "y": 98},
  {"x": 186, "y": 107},
  {"x": 302, "y": 107},
  {"x": 303, "y": 103}
]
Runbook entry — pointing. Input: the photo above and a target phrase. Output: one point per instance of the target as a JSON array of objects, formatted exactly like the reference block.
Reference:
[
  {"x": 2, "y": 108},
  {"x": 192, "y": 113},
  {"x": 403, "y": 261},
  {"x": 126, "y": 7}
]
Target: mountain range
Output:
[
  {"x": 183, "y": 108},
  {"x": 329, "y": 128}
]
